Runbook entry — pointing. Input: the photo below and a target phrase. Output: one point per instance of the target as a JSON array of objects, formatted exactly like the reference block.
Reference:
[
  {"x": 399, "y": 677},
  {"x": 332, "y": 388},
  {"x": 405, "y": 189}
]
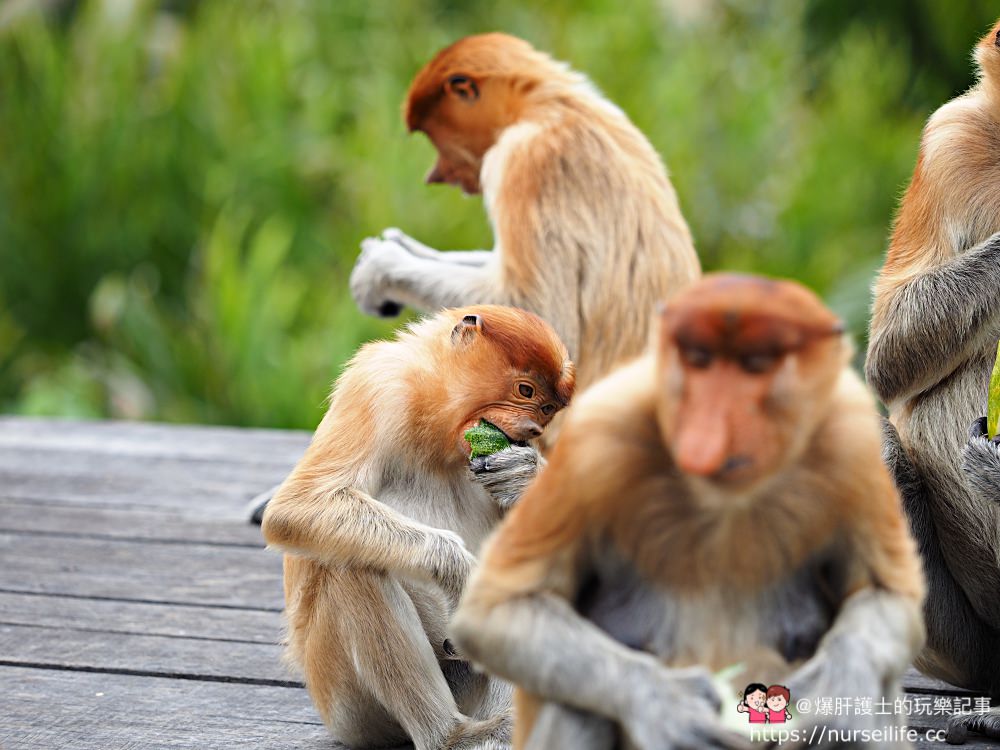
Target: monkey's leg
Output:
[
  {"x": 559, "y": 726},
  {"x": 461, "y": 257},
  {"x": 392, "y": 669},
  {"x": 961, "y": 648}
]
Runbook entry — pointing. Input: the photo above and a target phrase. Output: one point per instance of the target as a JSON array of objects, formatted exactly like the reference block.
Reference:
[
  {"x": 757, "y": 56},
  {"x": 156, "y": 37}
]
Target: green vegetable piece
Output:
[
  {"x": 485, "y": 439},
  {"x": 993, "y": 403}
]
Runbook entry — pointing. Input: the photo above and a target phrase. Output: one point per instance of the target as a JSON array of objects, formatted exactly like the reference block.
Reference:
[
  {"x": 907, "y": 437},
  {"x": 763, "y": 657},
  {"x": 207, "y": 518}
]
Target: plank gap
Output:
[
  {"x": 261, "y": 682},
  {"x": 162, "y": 602}
]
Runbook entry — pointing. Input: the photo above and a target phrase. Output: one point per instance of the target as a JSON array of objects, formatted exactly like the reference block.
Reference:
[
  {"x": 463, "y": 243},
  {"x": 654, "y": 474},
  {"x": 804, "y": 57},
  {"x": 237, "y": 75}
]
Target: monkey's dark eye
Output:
[
  {"x": 757, "y": 363},
  {"x": 525, "y": 390},
  {"x": 548, "y": 410},
  {"x": 696, "y": 356}
]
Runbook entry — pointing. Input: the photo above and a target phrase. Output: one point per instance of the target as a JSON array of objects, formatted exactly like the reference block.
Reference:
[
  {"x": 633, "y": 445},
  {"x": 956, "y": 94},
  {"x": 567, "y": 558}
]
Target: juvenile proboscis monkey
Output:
[
  {"x": 381, "y": 519},
  {"x": 588, "y": 233},
  {"x": 720, "y": 501},
  {"x": 934, "y": 330}
]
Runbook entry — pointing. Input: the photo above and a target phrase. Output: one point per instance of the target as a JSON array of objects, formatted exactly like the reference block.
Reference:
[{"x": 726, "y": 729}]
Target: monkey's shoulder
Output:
[{"x": 961, "y": 138}]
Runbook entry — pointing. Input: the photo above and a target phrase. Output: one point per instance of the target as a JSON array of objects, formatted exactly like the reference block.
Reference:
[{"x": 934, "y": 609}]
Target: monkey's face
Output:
[
  {"x": 521, "y": 406},
  {"x": 463, "y": 125},
  {"x": 509, "y": 369},
  {"x": 744, "y": 366},
  {"x": 987, "y": 52},
  {"x": 457, "y": 163}
]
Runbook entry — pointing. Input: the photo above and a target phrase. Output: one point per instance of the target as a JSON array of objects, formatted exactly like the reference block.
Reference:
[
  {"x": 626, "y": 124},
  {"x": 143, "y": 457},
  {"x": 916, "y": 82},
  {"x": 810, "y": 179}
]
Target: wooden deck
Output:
[{"x": 138, "y": 609}]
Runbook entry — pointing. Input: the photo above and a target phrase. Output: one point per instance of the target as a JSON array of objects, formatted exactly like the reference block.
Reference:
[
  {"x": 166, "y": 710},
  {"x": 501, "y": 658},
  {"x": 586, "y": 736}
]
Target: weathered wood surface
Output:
[{"x": 138, "y": 609}]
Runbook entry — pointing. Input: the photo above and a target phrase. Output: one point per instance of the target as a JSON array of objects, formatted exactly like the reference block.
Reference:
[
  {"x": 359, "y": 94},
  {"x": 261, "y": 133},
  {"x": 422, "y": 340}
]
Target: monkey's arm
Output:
[
  {"x": 879, "y": 628},
  {"x": 460, "y": 257},
  {"x": 387, "y": 276},
  {"x": 930, "y": 323},
  {"x": 345, "y": 526}
]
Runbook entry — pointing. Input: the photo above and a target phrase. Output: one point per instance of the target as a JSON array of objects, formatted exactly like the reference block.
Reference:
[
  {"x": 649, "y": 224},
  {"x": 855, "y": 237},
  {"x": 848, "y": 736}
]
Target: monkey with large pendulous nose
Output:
[{"x": 720, "y": 501}]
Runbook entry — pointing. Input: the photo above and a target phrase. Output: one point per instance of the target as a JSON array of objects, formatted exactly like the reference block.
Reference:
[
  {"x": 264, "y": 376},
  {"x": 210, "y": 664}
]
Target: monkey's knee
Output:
[{"x": 559, "y": 726}]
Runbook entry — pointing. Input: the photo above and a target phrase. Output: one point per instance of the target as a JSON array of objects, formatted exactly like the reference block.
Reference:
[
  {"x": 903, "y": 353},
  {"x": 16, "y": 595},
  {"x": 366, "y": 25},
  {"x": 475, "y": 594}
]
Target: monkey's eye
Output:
[
  {"x": 525, "y": 390},
  {"x": 696, "y": 356},
  {"x": 548, "y": 409},
  {"x": 757, "y": 363}
]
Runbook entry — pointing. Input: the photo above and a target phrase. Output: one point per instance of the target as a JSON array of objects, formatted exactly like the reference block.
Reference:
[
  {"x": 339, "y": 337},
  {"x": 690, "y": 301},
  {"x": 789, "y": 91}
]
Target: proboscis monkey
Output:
[
  {"x": 382, "y": 518},
  {"x": 720, "y": 501},
  {"x": 934, "y": 331},
  {"x": 588, "y": 233}
]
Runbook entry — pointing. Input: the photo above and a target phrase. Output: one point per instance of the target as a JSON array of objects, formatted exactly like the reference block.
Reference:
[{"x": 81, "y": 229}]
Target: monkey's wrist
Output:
[{"x": 447, "y": 562}]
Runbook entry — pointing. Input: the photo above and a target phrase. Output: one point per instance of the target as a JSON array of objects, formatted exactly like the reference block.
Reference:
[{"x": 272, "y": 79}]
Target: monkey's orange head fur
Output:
[
  {"x": 744, "y": 363},
  {"x": 987, "y": 53},
  {"x": 499, "y": 364},
  {"x": 464, "y": 97}
]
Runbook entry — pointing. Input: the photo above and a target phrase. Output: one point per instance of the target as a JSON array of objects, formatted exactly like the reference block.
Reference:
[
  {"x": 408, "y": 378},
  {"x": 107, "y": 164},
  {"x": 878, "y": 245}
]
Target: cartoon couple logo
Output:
[{"x": 765, "y": 704}]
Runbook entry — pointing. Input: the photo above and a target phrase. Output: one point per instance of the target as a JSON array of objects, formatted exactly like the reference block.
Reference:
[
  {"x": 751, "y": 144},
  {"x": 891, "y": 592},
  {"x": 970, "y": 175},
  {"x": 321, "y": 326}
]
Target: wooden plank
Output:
[
  {"x": 915, "y": 682},
  {"x": 85, "y": 711},
  {"x": 251, "y": 626},
  {"x": 166, "y": 656},
  {"x": 141, "y": 571},
  {"x": 217, "y": 489},
  {"x": 119, "y": 438},
  {"x": 162, "y": 524}
]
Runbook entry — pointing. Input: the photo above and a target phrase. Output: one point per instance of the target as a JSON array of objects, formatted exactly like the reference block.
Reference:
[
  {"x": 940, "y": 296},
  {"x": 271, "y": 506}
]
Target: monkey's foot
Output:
[
  {"x": 985, "y": 724},
  {"x": 981, "y": 461},
  {"x": 493, "y": 733},
  {"x": 258, "y": 505}
]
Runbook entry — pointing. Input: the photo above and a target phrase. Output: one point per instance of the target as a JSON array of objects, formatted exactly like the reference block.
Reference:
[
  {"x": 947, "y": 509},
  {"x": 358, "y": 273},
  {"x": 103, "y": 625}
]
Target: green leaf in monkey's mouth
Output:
[{"x": 485, "y": 439}]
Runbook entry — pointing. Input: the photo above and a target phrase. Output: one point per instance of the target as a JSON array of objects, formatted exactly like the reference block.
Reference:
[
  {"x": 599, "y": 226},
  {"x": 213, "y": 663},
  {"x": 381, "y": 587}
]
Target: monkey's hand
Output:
[
  {"x": 981, "y": 461},
  {"x": 370, "y": 280},
  {"x": 827, "y": 677},
  {"x": 448, "y": 563},
  {"x": 506, "y": 474},
  {"x": 677, "y": 708}
]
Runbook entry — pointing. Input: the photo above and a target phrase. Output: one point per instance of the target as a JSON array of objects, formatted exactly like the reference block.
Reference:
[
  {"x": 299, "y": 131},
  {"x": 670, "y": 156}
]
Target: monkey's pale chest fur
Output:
[
  {"x": 770, "y": 627},
  {"x": 457, "y": 504}
]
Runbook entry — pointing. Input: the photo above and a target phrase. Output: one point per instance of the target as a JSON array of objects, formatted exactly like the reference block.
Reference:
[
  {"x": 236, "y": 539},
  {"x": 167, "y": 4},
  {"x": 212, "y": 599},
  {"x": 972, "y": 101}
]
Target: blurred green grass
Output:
[{"x": 183, "y": 185}]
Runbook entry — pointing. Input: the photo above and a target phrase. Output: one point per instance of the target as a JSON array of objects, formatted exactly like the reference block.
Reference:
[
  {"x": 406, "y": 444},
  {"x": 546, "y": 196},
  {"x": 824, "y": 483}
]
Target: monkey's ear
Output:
[
  {"x": 469, "y": 327},
  {"x": 462, "y": 87}
]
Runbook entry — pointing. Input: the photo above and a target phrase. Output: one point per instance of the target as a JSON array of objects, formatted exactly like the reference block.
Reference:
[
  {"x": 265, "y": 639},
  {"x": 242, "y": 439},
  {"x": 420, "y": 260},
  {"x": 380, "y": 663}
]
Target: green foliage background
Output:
[{"x": 183, "y": 185}]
